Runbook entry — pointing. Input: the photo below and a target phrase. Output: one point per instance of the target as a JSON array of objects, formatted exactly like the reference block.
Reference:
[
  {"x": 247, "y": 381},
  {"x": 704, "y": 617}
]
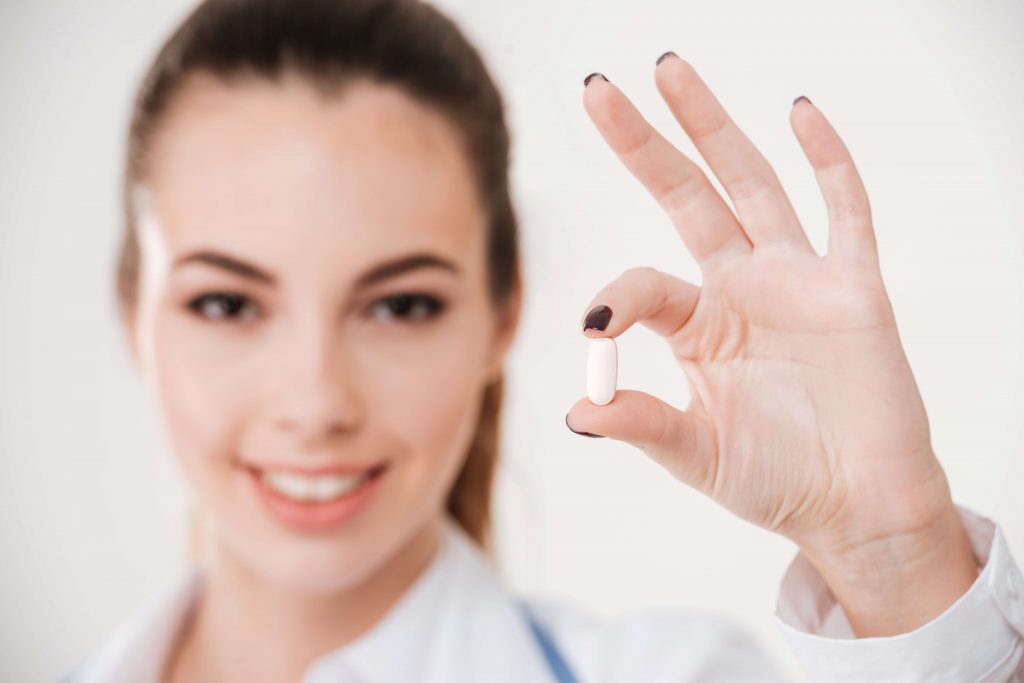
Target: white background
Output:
[{"x": 926, "y": 94}]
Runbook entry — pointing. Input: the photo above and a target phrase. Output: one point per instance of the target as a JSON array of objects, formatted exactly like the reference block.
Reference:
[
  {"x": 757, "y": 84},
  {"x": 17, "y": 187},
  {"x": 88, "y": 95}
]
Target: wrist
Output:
[{"x": 898, "y": 581}]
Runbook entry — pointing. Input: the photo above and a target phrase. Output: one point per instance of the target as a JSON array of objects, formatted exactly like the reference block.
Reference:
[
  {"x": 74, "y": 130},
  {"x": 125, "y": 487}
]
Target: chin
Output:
[
  {"x": 319, "y": 571},
  {"x": 246, "y": 537},
  {"x": 308, "y": 565}
]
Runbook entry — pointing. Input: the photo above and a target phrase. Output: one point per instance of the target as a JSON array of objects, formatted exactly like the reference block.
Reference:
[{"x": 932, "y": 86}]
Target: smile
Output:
[
  {"x": 316, "y": 501},
  {"x": 314, "y": 488}
]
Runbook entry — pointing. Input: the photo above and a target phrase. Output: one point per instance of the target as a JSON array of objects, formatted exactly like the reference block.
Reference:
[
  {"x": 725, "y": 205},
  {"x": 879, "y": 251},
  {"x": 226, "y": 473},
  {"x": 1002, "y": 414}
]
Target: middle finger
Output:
[
  {"x": 763, "y": 208},
  {"x": 701, "y": 217}
]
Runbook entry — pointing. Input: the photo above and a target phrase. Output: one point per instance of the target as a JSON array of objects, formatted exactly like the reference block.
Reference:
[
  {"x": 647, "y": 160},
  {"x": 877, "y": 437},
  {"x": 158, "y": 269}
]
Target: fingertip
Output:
[
  {"x": 580, "y": 432},
  {"x": 597, "y": 96},
  {"x": 598, "y": 318},
  {"x": 664, "y": 56},
  {"x": 801, "y": 107},
  {"x": 670, "y": 61},
  {"x": 673, "y": 75}
]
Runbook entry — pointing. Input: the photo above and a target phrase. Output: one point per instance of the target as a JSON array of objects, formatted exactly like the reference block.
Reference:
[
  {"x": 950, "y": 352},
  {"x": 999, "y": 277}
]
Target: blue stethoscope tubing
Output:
[{"x": 559, "y": 667}]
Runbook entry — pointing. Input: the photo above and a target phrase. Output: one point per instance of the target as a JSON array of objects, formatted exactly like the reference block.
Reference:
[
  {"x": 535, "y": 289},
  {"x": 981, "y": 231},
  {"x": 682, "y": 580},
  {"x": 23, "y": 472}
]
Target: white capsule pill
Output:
[{"x": 602, "y": 370}]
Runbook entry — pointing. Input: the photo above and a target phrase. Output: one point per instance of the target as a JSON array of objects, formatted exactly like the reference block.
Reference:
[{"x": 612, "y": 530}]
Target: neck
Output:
[{"x": 237, "y": 609}]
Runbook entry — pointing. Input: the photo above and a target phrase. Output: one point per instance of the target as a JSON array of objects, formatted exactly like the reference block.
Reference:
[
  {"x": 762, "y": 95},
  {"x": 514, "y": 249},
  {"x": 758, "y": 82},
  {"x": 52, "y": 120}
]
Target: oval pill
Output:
[{"x": 602, "y": 370}]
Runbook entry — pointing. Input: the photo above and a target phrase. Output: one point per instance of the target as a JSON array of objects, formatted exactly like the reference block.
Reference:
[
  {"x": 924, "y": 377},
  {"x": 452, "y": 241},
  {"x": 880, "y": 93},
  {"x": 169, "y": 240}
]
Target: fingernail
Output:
[
  {"x": 802, "y": 97},
  {"x": 667, "y": 54},
  {"x": 594, "y": 436},
  {"x": 586, "y": 81},
  {"x": 598, "y": 318}
]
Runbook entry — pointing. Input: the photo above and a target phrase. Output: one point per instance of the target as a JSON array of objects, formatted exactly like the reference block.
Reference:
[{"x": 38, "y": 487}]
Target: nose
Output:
[{"x": 317, "y": 394}]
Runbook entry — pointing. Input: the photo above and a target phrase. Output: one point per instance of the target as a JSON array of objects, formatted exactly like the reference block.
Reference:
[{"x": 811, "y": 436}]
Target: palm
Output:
[
  {"x": 803, "y": 406},
  {"x": 795, "y": 364}
]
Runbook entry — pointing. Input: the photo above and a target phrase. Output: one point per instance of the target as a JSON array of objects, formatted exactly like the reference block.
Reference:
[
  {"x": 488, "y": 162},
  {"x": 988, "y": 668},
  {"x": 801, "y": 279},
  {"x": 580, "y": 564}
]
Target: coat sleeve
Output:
[{"x": 978, "y": 639}]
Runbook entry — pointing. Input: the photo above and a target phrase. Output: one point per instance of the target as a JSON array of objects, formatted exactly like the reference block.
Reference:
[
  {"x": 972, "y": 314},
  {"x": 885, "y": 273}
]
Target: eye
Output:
[
  {"x": 223, "y": 306},
  {"x": 409, "y": 308}
]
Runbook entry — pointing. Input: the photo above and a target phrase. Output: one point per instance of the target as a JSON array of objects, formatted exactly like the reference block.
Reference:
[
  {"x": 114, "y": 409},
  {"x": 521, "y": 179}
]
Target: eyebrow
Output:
[{"x": 382, "y": 271}]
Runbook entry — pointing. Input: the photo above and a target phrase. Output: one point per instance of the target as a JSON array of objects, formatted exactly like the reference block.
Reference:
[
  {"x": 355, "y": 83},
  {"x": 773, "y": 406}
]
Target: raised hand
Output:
[{"x": 805, "y": 417}]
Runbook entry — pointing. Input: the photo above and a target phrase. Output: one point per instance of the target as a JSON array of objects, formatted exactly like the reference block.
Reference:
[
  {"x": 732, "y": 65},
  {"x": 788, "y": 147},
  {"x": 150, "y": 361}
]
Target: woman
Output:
[{"x": 320, "y": 280}]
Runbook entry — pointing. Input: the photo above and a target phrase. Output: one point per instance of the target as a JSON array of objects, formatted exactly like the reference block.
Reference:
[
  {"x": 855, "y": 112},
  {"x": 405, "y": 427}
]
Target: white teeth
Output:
[{"x": 316, "y": 488}]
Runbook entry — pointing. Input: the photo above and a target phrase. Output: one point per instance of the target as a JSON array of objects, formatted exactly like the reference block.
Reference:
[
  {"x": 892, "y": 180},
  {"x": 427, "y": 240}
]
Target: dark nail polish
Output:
[
  {"x": 594, "y": 436},
  {"x": 802, "y": 97},
  {"x": 586, "y": 81},
  {"x": 667, "y": 54},
  {"x": 598, "y": 318}
]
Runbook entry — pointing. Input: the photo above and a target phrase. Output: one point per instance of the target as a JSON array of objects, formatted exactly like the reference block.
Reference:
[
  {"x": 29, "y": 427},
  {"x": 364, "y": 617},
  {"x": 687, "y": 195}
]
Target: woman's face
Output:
[{"x": 313, "y": 299}]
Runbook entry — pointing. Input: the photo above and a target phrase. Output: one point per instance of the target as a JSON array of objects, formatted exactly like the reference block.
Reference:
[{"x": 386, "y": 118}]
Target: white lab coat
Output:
[{"x": 459, "y": 623}]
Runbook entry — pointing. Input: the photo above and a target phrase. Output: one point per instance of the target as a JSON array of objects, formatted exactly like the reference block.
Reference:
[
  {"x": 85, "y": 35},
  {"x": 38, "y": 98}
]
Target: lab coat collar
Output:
[{"x": 457, "y": 621}]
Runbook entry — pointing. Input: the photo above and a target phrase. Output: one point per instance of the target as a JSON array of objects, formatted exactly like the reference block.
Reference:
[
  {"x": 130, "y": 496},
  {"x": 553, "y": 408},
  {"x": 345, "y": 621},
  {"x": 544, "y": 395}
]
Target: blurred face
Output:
[{"x": 313, "y": 318}]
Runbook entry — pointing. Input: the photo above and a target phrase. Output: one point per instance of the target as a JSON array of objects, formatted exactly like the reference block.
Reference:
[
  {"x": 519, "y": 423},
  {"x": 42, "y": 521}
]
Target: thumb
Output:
[{"x": 683, "y": 443}]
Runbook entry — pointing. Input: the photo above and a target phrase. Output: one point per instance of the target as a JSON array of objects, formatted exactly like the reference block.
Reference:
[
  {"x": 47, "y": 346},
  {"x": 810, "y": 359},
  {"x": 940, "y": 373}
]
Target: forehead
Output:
[{"x": 281, "y": 170}]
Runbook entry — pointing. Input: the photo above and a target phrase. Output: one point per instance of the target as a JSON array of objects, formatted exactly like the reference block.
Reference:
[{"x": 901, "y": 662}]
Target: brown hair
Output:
[{"x": 401, "y": 42}]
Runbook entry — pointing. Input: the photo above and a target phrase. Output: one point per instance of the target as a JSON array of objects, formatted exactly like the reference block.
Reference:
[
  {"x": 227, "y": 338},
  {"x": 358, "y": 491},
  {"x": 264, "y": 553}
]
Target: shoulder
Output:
[{"x": 654, "y": 644}]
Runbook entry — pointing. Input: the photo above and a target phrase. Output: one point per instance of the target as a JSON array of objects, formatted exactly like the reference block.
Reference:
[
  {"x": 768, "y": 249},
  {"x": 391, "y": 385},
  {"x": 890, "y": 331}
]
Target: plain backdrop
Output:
[{"x": 926, "y": 94}]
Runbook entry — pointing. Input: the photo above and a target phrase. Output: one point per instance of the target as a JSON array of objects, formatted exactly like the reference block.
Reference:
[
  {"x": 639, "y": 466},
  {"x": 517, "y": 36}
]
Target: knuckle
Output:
[
  {"x": 638, "y": 144},
  {"x": 640, "y": 274},
  {"x": 680, "y": 196},
  {"x": 849, "y": 213},
  {"x": 700, "y": 133},
  {"x": 748, "y": 186},
  {"x": 641, "y": 279}
]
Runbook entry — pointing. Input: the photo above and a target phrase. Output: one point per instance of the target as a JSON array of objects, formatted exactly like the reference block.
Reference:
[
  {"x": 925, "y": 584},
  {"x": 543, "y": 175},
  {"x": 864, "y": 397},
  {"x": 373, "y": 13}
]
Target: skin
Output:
[
  {"x": 314, "y": 368},
  {"x": 804, "y": 418}
]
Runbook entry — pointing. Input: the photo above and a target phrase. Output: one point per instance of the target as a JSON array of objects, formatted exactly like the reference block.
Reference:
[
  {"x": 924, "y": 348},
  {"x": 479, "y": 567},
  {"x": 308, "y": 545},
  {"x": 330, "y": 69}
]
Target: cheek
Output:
[
  {"x": 428, "y": 399},
  {"x": 199, "y": 393},
  {"x": 431, "y": 410}
]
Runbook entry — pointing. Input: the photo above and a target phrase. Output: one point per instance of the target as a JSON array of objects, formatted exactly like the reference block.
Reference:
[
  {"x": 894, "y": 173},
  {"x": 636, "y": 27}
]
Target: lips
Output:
[{"x": 317, "y": 499}]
